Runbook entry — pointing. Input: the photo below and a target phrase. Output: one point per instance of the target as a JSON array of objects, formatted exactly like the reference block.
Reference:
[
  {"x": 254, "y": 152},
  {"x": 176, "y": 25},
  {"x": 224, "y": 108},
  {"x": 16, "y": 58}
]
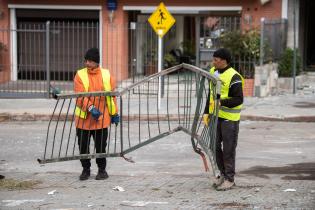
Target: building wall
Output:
[
  {"x": 110, "y": 47},
  {"x": 5, "y": 39},
  {"x": 115, "y": 46},
  {"x": 252, "y": 8},
  {"x": 4, "y": 18},
  {"x": 115, "y": 43},
  {"x": 271, "y": 10},
  {"x": 59, "y": 2}
]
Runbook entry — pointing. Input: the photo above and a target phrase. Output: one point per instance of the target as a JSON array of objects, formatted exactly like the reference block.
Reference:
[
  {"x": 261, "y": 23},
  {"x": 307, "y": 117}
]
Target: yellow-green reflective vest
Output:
[
  {"x": 83, "y": 74},
  {"x": 233, "y": 114}
]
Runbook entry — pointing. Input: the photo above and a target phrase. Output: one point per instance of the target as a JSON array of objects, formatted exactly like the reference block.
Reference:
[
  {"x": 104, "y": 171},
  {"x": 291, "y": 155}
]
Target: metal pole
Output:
[
  {"x": 261, "y": 57},
  {"x": 162, "y": 67},
  {"x": 294, "y": 47},
  {"x": 121, "y": 125},
  {"x": 47, "y": 59},
  {"x": 160, "y": 63}
]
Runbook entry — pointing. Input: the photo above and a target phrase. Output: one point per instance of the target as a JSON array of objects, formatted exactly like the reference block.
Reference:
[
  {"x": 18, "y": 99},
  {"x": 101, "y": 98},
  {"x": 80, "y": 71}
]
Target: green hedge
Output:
[
  {"x": 245, "y": 44},
  {"x": 285, "y": 64}
]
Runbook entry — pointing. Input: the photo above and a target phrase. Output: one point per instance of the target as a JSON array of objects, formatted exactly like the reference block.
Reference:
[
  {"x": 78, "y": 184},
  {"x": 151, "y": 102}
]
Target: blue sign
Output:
[{"x": 111, "y": 5}]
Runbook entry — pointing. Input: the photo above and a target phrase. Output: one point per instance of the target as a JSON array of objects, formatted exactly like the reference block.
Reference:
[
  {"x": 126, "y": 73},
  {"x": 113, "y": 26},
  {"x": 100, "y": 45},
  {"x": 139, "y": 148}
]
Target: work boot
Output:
[
  {"x": 218, "y": 181},
  {"x": 85, "y": 174},
  {"x": 226, "y": 185},
  {"x": 102, "y": 174}
]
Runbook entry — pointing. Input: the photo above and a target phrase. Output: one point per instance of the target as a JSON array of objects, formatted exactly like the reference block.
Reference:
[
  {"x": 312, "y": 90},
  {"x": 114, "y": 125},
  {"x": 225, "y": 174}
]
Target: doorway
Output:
[
  {"x": 178, "y": 44},
  {"x": 309, "y": 41}
]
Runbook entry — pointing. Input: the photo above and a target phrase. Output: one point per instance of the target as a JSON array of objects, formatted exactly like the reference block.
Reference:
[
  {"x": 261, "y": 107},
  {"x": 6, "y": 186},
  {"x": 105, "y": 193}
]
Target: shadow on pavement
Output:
[
  {"x": 297, "y": 171},
  {"x": 304, "y": 104}
]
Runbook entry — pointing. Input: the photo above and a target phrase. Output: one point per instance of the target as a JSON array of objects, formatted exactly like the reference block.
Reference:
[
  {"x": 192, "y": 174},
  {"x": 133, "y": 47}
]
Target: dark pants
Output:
[
  {"x": 100, "y": 142},
  {"x": 227, "y": 134}
]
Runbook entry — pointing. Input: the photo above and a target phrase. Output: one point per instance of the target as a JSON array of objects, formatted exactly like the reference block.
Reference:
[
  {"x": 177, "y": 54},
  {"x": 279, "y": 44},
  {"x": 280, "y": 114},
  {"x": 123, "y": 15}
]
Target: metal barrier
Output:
[{"x": 145, "y": 118}]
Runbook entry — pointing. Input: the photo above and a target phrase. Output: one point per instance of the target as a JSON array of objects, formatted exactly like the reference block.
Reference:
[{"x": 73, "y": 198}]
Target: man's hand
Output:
[
  {"x": 94, "y": 112},
  {"x": 115, "y": 119},
  {"x": 211, "y": 106},
  {"x": 206, "y": 119}
]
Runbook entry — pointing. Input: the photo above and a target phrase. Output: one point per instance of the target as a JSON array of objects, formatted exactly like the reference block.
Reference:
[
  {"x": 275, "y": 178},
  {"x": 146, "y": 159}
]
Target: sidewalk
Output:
[{"x": 285, "y": 107}]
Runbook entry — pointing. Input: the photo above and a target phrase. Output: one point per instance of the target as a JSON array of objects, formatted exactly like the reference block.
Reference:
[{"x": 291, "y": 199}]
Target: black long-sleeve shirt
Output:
[{"x": 235, "y": 92}]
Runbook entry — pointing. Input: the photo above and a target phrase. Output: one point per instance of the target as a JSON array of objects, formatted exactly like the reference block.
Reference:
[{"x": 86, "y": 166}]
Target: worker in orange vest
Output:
[{"x": 93, "y": 115}]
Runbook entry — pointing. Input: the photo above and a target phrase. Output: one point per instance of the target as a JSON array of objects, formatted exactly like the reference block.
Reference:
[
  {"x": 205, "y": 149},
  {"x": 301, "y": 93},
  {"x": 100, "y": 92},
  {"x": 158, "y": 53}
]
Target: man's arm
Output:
[{"x": 206, "y": 111}]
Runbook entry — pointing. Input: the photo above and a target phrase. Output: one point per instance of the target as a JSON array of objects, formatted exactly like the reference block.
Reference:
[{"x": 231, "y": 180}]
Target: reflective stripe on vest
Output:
[
  {"x": 233, "y": 114},
  {"x": 83, "y": 74},
  {"x": 226, "y": 109}
]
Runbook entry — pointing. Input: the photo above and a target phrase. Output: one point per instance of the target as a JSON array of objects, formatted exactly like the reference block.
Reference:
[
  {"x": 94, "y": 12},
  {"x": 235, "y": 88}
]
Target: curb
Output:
[
  {"x": 8, "y": 117},
  {"x": 23, "y": 117},
  {"x": 283, "y": 119}
]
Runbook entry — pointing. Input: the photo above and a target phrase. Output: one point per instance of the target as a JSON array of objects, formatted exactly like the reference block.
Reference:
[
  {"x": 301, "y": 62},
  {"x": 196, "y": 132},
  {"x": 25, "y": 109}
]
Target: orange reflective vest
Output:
[{"x": 83, "y": 74}]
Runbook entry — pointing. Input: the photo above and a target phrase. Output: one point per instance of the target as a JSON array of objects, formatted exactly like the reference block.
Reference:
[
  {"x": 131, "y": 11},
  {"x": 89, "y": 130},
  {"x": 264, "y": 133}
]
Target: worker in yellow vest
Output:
[
  {"x": 230, "y": 105},
  {"x": 93, "y": 115}
]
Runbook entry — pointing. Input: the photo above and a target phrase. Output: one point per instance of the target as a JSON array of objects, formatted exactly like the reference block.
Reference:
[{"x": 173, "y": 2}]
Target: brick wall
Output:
[
  {"x": 115, "y": 43},
  {"x": 254, "y": 10},
  {"x": 249, "y": 87}
]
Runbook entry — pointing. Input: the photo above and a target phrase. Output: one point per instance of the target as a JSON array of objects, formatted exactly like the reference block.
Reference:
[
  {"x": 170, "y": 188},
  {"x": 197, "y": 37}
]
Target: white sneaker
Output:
[
  {"x": 218, "y": 181},
  {"x": 226, "y": 185}
]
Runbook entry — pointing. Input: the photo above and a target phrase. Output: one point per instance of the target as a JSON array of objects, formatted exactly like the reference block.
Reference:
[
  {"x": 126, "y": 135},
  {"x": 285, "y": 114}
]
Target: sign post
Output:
[{"x": 161, "y": 21}]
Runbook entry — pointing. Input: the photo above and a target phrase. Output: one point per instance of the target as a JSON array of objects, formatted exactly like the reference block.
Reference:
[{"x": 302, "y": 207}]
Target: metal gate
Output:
[
  {"x": 43, "y": 55},
  {"x": 181, "y": 109},
  {"x": 274, "y": 37}
]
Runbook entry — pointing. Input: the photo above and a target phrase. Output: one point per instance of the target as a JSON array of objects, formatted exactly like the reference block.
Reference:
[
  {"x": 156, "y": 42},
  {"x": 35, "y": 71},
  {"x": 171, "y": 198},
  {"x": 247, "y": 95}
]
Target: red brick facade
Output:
[
  {"x": 249, "y": 87},
  {"x": 252, "y": 11}
]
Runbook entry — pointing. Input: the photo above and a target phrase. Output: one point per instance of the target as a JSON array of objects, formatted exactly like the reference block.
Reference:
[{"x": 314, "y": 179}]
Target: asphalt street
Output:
[{"x": 275, "y": 170}]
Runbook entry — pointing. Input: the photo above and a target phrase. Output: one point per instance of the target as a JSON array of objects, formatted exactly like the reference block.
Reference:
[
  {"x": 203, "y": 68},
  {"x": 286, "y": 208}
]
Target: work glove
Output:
[
  {"x": 94, "y": 112},
  {"x": 211, "y": 107},
  {"x": 54, "y": 92},
  {"x": 206, "y": 119},
  {"x": 115, "y": 119}
]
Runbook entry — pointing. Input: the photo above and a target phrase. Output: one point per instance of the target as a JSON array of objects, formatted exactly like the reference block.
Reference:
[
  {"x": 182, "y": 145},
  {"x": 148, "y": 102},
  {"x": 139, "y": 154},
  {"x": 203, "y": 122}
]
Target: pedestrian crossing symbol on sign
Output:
[{"x": 161, "y": 20}]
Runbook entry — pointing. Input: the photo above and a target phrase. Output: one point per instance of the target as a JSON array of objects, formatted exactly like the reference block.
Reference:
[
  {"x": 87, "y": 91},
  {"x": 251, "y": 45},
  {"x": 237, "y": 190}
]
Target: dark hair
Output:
[
  {"x": 93, "y": 54},
  {"x": 223, "y": 54}
]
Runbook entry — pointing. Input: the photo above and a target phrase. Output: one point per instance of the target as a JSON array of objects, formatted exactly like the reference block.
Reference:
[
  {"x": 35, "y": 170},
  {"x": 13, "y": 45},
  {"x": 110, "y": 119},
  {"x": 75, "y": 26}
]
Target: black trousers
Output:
[
  {"x": 226, "y": 142},
  {"x": 100, "y": 142}
]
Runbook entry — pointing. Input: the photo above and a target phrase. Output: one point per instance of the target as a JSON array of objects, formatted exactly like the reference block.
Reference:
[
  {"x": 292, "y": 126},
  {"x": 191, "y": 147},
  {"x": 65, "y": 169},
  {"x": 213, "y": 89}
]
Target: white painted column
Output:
[
  {"x": 284, "y": 9},
  {"x": 13, "y": 45}
]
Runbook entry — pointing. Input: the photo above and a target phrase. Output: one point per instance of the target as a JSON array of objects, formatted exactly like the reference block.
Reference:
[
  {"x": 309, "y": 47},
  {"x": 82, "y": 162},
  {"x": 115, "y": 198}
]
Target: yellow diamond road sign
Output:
[{"x": 161, "y": 20}]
